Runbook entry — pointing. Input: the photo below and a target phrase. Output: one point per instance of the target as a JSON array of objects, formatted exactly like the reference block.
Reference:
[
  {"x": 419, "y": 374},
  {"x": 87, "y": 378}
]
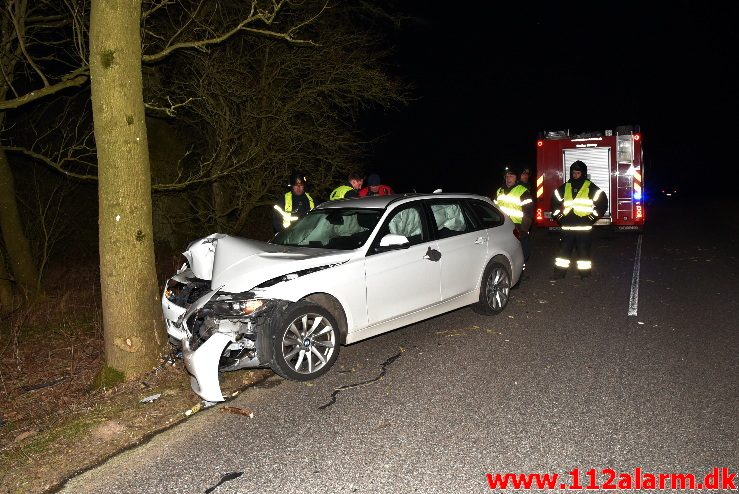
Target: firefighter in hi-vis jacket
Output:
[
  {"x": 294, "y": 205},
  {"x": 576, "y": 205},
  {"x": 514, "y": 199}
]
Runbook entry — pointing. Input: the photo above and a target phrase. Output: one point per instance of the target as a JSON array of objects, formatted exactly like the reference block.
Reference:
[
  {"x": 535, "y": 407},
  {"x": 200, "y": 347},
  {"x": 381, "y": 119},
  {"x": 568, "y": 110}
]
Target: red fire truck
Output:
[{"x": 615, "y": 164}]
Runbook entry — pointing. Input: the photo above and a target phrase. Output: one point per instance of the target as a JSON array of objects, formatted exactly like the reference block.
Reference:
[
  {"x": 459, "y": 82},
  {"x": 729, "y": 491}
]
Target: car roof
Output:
[{"x": 382, "y": 202}]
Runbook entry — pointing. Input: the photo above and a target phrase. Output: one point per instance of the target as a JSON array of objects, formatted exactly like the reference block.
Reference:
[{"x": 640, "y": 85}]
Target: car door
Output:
[
  {"x": 463, "y": 247},
  {"x": 403, "y": 280}
]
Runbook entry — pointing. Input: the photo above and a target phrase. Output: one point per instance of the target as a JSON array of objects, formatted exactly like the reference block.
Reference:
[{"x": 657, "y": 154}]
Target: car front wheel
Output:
[
  {"x": 495, "y": 289},
  {"x": 306, "y": 343}
]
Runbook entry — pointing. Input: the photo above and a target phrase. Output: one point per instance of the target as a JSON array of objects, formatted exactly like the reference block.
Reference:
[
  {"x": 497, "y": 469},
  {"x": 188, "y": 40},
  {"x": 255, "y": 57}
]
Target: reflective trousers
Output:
[{"x": 579, "y": 241}]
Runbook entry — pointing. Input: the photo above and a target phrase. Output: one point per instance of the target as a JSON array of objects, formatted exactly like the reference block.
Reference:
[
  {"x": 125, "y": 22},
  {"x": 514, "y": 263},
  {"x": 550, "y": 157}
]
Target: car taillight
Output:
[{"x": 516, "y": 234}]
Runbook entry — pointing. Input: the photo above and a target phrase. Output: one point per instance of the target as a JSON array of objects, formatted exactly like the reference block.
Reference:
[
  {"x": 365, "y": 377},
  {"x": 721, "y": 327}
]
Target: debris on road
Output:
[
  {"x": 151, "y": 399},
  {"x": 240, "y": 411}
]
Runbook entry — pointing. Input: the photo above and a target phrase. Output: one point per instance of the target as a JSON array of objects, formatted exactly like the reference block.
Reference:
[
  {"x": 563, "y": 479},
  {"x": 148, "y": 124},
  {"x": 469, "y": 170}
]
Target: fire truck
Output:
[{"x": 615, "y": 164}]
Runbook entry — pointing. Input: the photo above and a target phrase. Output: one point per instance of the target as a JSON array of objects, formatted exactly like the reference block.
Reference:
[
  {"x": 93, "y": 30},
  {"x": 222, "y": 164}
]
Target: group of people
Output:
[
  {"x": 576, "y": 205},
  {"x": 297, "y": 202}
]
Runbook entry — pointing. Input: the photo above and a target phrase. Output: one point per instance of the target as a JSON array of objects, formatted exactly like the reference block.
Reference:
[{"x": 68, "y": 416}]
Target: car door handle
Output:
[
  {"x": 432, "y": 255},
  {"x": 480, "y": 240}
]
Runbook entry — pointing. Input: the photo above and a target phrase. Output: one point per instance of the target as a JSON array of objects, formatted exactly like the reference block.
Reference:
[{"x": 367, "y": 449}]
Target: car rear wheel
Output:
[
  {"x": 495, "y": 289},
  {"x": 306, "y": 343}
]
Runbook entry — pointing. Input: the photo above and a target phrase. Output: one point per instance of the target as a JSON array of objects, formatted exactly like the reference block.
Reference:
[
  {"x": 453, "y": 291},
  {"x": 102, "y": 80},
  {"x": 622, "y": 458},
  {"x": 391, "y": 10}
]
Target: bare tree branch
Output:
[{"x": 76, "y": 81}]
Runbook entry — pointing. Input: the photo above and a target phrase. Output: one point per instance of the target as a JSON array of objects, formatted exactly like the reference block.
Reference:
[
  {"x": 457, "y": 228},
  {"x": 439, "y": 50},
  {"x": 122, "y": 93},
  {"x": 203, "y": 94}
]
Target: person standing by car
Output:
[
  {"x": 294, "y": 205},
  {"x": 349, "y": 189},
  {"x": 524, "y": 178},
  {"x": 514, "y": 199},
  {"x": 375, "y": 187},
  {"x": 576, "y": 205}
]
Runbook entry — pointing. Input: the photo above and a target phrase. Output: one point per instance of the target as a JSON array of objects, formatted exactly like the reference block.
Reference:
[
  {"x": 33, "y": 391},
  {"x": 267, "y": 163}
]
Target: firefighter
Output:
[
  {"x": 294, "y": 205},
  {"x": 576, "y": 205},
  {"x": 375, "y": 187},
  {"x": 514, "y": 199},
  {"x": 349, "y": 189}
]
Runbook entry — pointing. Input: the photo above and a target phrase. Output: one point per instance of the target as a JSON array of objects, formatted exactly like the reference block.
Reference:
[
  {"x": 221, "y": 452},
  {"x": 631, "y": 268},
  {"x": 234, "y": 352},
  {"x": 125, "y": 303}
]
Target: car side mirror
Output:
[{"x": 392, "y": 241}]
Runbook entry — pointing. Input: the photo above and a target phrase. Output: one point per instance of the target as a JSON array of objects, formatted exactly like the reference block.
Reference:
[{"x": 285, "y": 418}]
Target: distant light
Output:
[
  {"x": 539, "y": 143},
  {"x": 637, "y": 196},
  {"x": 637, "y": 137}
]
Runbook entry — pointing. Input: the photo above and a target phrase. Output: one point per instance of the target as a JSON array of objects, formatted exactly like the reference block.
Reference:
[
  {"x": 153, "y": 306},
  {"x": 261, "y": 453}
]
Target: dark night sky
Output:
[{"x": 489, "y": 78}]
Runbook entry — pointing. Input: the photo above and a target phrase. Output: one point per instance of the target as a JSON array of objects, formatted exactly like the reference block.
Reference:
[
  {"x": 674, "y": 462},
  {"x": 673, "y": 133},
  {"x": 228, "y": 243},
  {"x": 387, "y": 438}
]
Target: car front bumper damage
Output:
[{"x": 213, "y": 339}]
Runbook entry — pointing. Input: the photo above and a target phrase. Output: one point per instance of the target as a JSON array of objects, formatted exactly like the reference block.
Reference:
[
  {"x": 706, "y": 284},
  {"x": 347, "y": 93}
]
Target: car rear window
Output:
[{"x": 488, "y": 216}]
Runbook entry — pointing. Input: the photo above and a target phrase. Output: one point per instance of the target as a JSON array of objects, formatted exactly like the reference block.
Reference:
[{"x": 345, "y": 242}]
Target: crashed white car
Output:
[{"x": 349, "y": 270}]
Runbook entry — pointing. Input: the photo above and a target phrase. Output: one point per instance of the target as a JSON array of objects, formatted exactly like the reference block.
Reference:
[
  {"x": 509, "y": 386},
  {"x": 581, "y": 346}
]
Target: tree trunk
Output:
[
  {"x": 132, "y": 317},
  {"x": 20, "y": 260},
  {"x": 6, "y": 289}
]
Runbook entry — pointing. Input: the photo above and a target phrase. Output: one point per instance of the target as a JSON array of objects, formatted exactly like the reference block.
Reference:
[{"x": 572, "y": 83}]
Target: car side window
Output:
[
  {"x": 450, "y": 219},
  {"x": 486, "y": 214},
  {"x": 406, "y": 221}
]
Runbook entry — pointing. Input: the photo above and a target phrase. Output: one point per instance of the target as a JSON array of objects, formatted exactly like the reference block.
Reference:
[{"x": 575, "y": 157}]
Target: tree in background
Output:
[
  {"x": 23, "y": 28},
  {"x": 259, "y": 107}
]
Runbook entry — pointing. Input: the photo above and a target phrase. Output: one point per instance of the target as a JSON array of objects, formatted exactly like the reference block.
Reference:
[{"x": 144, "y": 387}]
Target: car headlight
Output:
[
  {"x": 246, "y": 306},
  {"x": 235, "y": 305}
]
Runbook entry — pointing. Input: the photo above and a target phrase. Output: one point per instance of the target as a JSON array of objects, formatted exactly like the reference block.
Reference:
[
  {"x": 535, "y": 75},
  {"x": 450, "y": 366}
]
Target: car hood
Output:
[{"x": 241, "y": 264}]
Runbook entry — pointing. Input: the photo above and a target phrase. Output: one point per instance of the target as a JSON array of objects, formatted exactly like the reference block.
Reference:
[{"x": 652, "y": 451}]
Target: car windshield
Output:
[{"x": 342, "y": 229}]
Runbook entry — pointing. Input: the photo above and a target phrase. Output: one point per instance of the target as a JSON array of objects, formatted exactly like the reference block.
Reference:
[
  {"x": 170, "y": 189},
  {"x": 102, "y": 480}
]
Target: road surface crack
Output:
[{"x": 385, "y": 365}]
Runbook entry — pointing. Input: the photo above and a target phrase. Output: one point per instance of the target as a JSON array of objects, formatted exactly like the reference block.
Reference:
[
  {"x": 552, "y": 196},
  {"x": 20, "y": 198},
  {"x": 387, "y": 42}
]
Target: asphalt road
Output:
[{"x": 564, "y": 378}]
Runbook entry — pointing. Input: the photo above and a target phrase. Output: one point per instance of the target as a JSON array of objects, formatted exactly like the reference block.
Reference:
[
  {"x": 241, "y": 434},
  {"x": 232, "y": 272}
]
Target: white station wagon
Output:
[{"x": 349, "y": 270}]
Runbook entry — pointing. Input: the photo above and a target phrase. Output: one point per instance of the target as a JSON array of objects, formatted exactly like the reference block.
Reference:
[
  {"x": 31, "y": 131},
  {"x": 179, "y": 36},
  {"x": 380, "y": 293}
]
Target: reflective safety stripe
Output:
[
  {"x": 513, "y": 213},
  {"x": 597, "y": 194},
  {"x": 582, "y": 204},
  {"x": 561, "y": 262},
  {"x": 526, "y": 201},
  {"x": 556, "y": 212},
  {"x": 556, "y": 194},
  {"x": 287, "y": 218},
  {"x": 581, "y": 228},
  {"x": 584, "y": 264}
]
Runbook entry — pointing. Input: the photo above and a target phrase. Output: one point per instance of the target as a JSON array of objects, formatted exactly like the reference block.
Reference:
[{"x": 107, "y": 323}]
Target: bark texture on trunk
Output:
[{"x": 132, "y": 316}]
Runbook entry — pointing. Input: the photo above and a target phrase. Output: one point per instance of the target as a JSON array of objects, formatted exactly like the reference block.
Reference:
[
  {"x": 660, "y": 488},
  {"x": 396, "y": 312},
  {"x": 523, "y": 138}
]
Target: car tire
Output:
[
  {"x": 495, "y": 289},
  {"x": 305, "y": 344}
]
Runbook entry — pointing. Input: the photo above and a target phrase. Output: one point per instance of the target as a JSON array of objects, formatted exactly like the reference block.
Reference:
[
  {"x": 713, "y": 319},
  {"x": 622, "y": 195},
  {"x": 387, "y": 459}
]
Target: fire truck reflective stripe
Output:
[
  {"x": 584, "y": 264},
  {"x": 526, "y": 201},
  {"x": 539, "y": 191},
  {"x": 637, "y": 175},
  {"x": 578, "y": 228},
  {"x": 556, "y": 194},
  {"x": 637, "y": 187},
  {"x": 540, "y": 180},
  {"x": 561, "y": 262}
]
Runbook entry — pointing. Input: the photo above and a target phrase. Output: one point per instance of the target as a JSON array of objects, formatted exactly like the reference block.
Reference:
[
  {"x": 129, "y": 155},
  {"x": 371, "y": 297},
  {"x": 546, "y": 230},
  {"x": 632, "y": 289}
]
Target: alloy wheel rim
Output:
[
  {"x": 497, "y": 288},
  {"x": 308, "y": 343}
]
